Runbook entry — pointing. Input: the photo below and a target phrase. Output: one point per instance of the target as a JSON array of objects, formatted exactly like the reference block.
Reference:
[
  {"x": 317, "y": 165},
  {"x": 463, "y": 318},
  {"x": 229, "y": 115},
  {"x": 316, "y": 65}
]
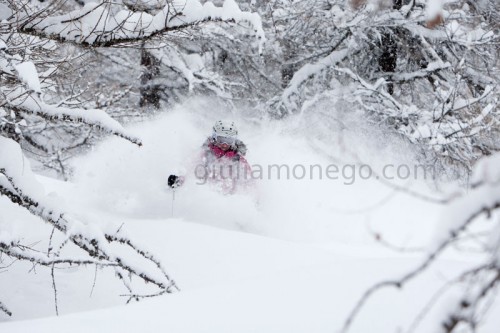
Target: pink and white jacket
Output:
[{"x": 236, "y": 153}]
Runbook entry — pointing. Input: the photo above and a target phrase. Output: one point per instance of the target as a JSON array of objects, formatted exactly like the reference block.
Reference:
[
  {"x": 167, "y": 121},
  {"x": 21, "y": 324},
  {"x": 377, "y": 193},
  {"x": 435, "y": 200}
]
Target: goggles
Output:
[{"x": 224, "y": 140}]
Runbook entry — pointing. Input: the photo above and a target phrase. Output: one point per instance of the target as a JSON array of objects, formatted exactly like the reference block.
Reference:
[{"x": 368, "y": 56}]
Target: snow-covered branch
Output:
[
  {"x": 458, "y": 217},
  {"x": 96, "y": 25},
  {"x": 308, "y": 71},
  {"x": 401, "y": 282},
  {"x": 4, "y": 309},
  {"x": 467, "y": 306},
  {"x": 17, "y": 183},
  {"x": 425, "y": 72},
  {"x": 91, "y": 117},
  {"x": 21, "y": 252}
]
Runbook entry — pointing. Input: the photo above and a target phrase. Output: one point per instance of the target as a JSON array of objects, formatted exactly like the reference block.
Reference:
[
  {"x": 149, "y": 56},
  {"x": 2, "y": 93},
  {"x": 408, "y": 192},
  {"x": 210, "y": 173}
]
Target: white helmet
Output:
[{"x": 225, "y": 128}]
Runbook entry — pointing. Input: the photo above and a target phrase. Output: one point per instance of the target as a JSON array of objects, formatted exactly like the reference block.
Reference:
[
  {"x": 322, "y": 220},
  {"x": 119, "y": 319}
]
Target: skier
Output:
[
  {"x": 222, "y": 158},
  {"x": 224, "y": 144}
]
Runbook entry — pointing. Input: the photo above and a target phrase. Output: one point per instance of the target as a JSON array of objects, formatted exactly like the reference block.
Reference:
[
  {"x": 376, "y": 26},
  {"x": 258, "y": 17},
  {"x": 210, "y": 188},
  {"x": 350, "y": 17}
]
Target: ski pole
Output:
[
  {"x": 174, "y": 182},
  {"x": 173, "y": 199}
]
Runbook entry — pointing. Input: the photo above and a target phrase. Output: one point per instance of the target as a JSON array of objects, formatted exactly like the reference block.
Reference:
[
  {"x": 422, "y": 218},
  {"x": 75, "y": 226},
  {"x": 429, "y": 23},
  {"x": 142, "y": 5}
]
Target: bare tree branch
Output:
[{"x": 399, "y": 283}]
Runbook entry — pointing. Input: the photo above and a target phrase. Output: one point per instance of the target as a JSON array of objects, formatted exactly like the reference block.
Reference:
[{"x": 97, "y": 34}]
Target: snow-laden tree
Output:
[
  {"x": 40, "y": 45},
  {"x": 427, "y": 70},
  {"x": 178, "y": 63},
  {"x": 120, "y": 72}
]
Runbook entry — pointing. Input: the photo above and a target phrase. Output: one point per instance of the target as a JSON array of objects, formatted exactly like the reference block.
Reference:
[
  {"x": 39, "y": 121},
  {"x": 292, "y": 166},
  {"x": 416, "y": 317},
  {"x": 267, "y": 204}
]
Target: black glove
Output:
[{"x": 174, "y": 181}]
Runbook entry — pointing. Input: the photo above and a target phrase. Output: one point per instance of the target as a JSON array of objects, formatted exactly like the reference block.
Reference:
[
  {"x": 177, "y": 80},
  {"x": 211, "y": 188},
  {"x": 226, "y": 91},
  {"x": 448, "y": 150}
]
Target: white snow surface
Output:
[
  {"x": 28, "y": 74},
  {"x": 18, "y": 168},
  {"x": 434, "y": 8},
  {"x": 288, "y": 256}
]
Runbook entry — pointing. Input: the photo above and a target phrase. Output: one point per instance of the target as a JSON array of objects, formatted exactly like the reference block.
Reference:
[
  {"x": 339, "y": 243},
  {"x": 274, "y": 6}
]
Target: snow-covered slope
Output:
[
  {"x": 233, "y": 281},
  {"x": 290, "y": 256}
]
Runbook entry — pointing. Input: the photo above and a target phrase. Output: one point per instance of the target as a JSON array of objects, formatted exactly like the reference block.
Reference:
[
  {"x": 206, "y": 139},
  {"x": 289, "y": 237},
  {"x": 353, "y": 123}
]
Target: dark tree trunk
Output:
[
  {"x": 150, "y": 91},
  {"x": 287, "y": 70},
  {"x": 388, "y": 58}
]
